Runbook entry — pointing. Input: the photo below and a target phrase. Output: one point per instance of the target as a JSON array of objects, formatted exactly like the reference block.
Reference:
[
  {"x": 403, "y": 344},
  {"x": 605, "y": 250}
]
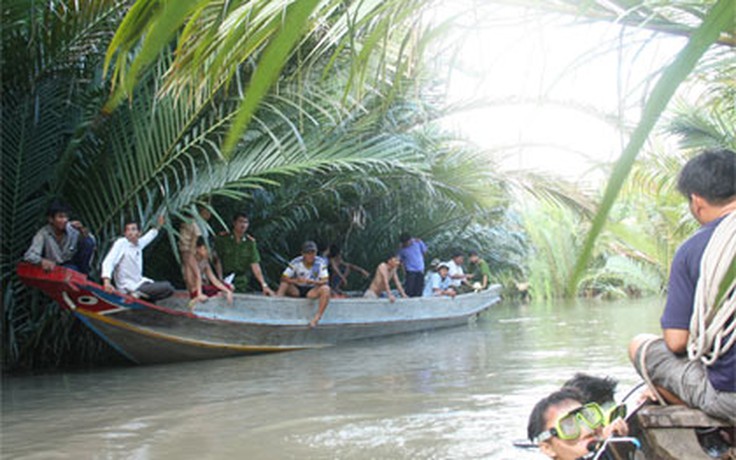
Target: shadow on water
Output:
[{"x": 457, "y": 393}]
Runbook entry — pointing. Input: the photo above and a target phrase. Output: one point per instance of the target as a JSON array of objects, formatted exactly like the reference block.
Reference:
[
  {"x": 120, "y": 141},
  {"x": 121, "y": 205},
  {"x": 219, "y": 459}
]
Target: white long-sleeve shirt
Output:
[{"x": 124, "y": 262}]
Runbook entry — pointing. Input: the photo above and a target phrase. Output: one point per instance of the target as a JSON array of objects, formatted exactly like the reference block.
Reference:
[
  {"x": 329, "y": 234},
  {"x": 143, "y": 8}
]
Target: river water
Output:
[{"x": 461, "y": 393}]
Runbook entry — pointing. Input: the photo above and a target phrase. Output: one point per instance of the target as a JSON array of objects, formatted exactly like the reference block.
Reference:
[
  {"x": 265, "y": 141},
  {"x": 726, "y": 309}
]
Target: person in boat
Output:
[
  {"x": 566, "y": 427},
  {"x": 459, "y": 279},
  {"x": 238, "y": 257},
  {"x": 709, "y": 182},
  {"x": 479, "y": 270},
  {"x": 340, "y": 269},
  {"x": 307, "y": 276},
  {"x": 381, "y": 284},
  {"x": 412, "y": 253},
  {"x": 124, "y": 264},
  {"x": 209, "y": 283},
  {"x": 189, "y": 231},
  {"x": 61, "y": 242},
  {"x": 440, "y": 283}
]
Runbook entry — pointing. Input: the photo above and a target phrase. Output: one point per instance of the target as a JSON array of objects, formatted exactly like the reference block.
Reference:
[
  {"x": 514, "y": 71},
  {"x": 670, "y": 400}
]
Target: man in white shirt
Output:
[
  {"x": 456, "y": 272},
  {"x": 124, "y": 262}
]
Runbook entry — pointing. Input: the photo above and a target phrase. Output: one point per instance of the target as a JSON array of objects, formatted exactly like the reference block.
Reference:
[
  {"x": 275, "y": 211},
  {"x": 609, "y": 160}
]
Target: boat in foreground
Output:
[{"x": 167, "y": 331}]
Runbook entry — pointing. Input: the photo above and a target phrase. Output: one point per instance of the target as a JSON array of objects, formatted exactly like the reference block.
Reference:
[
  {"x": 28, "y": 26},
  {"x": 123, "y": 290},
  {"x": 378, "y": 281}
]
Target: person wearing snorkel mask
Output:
[{"x": 565, "y": 428}]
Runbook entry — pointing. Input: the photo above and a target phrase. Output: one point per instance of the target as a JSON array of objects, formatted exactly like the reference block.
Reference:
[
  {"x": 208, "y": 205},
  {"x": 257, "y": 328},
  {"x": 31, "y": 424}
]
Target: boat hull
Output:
[{"x": 149, "y": 333}]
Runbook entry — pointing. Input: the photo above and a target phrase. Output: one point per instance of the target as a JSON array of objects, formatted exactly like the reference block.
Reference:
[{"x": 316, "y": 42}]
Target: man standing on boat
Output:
[
  {"x": 412, "y": 257},
  {"x": 679, "y": 365},
  {"x": 307, "y": 276},
  {"x": 238, "y": 256},
  {"x": 124, "y": 262},
  {"x": 61, "y": 242}
]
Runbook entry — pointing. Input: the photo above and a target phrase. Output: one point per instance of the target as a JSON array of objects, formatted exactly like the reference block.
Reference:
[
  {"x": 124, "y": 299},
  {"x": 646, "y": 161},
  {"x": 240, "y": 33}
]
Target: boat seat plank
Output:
[{"x": 676, "y": 417}]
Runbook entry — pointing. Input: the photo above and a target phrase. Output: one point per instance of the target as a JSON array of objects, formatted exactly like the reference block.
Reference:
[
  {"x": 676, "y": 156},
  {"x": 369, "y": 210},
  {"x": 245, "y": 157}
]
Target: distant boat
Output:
[{"x": 147, "y": 333}]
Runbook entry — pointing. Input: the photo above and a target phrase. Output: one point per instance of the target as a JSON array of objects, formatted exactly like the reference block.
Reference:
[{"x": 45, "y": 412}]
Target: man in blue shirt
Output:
[
  {"x": 709, "y": 183},
  {"x": 412, "y": 257}
]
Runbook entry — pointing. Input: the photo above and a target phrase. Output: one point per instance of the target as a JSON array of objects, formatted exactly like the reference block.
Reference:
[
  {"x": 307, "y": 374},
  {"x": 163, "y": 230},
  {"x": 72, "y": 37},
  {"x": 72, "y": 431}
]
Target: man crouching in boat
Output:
[
  {"x": 307, "y": 276},
  {"x": 385, "y": 273},
  {"x": 61, "y": 242},
  {"x": 124, "y": 262},
  {"x": 695, "y": 362},
  {"x": 565, "y": 428}
]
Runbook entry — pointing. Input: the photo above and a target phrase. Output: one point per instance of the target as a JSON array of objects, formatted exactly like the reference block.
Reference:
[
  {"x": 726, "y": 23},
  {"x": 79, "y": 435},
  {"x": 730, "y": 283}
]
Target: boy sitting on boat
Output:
[
  {"x": 307, "y": 276},
  {"x": 208, "y": 284}
]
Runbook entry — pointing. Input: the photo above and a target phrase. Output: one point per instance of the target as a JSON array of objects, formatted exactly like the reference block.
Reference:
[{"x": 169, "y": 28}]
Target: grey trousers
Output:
[{"x": 156, "y": 290}]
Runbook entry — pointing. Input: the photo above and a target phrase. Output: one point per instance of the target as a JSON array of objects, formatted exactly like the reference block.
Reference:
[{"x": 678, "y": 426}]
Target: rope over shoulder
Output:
[{"x": 712, "y": 326}]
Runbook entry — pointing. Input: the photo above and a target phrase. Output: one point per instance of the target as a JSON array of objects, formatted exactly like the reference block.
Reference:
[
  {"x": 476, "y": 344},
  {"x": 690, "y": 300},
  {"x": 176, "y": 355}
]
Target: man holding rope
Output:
[{"x": 694, "y": 363}]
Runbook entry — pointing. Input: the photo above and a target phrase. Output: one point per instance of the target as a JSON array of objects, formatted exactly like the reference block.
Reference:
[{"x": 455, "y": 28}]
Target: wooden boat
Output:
[
  {"x": 167, "y": 331},
  {"x": 669, "y": 433}
]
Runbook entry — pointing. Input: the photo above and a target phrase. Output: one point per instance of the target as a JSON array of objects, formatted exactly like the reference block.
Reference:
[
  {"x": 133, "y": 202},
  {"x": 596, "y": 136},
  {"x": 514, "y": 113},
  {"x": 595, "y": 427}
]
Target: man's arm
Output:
[
  {"x": 398, "y": 284},
  {"x": 34, "y": 252},
  {"x": 109, "y": 263},
  {"x": 256, "y": 269},
  {"x": 676, "y": 339}
]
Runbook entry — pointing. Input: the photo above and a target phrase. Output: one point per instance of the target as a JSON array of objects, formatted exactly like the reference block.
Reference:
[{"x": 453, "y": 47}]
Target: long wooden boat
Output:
[{"x": 167, "y": 331}]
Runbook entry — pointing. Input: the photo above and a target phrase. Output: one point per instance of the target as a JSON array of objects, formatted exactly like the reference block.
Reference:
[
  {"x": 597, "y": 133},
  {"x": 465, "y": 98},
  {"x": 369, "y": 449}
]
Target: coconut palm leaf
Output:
[{"x": 719, "y": 18}]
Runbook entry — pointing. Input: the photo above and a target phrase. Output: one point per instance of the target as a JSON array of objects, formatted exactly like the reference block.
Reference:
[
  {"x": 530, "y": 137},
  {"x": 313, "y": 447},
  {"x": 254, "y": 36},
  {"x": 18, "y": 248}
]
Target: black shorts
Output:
[{"x": 303, "y": 290}]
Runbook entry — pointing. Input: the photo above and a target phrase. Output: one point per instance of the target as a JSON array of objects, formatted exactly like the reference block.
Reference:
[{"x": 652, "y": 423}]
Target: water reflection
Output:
[{"x": 457, "y": 393}]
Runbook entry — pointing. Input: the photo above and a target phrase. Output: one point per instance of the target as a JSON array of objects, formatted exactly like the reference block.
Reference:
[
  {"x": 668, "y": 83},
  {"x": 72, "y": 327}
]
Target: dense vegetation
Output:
[{"x": 326, "y": 128}]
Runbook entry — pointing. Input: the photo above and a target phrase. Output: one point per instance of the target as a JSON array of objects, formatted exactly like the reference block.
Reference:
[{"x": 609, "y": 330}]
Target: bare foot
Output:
[{"x": 314, "y": 322}]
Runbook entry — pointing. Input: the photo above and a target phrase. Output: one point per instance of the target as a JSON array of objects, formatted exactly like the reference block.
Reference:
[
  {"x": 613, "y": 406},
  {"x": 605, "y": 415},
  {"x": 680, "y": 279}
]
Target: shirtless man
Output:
[{"x": 386, "y": 272}]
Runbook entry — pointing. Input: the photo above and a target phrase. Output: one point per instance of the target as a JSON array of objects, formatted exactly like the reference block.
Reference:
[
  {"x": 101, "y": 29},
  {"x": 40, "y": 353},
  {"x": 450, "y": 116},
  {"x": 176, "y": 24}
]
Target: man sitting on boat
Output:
[
  {"x": 238, "y": 257},
  {"x": 458, "y": 278},
  {"x": 381, "y": 284},
  {"x": 61, "y": 242},
  {"x": 695, "y": 361},
  {"x": 439, "y": 283},
  {"x": 124, "y": 263},
  {"x": 479, "y": 270},
  {"x": 307, "y": 276},
  {"x": 566, "y": 427}
]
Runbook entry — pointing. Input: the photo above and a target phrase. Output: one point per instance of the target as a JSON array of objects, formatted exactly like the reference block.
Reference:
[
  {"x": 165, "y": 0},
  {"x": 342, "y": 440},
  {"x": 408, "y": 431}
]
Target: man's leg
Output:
[
  {"x": 323, "y": 293},
  {"x": 412, "y": 286},
  {"x": 156, "y": 290},
  {"x": 682, "y": 380},
  {"x": 286, "y": 289}
]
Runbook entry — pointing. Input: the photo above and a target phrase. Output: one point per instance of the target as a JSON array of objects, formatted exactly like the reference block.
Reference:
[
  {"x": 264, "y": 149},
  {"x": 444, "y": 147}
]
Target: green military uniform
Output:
[
  {"x": 479, "y": 270},
  {"x": 236, "y": 257}
]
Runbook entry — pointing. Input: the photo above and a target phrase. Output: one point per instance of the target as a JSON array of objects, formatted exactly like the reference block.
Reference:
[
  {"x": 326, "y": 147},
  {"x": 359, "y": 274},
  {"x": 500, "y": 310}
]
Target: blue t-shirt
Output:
[
  {"x": 412, "y": 256},
  {"x": 435, "y": 281},
  {"x": 680, "y": 297}
]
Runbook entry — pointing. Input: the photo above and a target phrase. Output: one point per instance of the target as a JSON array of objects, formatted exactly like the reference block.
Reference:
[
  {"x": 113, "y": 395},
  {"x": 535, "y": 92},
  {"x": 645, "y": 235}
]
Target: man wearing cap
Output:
[
  {"x": 439, "y": 283},
  {"x": 307, "y": 276}
]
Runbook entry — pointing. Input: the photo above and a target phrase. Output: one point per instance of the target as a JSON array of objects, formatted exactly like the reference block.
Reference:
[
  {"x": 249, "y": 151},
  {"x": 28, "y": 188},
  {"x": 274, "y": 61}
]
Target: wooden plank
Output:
[{"x": 676, "y": 417}]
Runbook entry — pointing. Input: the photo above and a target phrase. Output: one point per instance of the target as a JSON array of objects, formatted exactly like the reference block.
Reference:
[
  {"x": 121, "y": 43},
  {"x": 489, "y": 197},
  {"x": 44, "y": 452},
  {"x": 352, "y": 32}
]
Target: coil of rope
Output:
[{"x": 712, "y": 326}]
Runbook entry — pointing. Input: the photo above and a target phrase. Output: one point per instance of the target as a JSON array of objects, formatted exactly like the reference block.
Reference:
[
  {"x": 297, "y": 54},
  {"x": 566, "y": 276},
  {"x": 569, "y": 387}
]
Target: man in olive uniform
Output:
[{"x": 238, "y": 255}]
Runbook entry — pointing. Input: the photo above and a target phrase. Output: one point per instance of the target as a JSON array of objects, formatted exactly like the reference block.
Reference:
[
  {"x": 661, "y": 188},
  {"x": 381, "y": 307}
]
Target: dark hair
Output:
[
  {"x": 457, "y": 253},
  {"x": 127, "y": 222},
  {"x": 537, "y": 422},
  {"x": 56, "y": 207},
  {"x": 404, "y": 237},
  {"x": 593, "y": 389},
  {"x": 392, "y": 255},
  {"x": 711, "y": 175},
  {"x": 472, "y": 253},
  {"x": 334, "y": 250},
  {"x": 200, "y": 241},
  {"x": 240, "y": 214}
]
